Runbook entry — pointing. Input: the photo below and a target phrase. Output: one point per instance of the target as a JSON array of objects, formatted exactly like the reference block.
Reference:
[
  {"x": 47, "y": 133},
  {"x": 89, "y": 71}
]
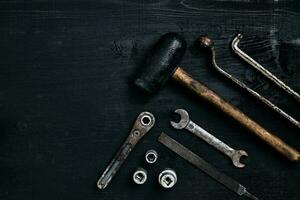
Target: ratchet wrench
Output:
[
  {"x": 144, "y": 122},
  {"x": 186, "y": 123}
]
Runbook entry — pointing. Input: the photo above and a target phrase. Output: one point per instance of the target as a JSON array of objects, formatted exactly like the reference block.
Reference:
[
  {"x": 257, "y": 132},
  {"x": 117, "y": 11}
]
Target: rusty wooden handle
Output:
[{"x": 202, "y": 91}]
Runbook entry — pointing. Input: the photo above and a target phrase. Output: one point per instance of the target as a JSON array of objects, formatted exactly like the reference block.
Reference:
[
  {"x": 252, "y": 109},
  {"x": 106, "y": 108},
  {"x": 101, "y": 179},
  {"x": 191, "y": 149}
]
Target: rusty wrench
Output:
[
  {"x": 144, "y": 122},
  {"x": 186, "y": 123}
]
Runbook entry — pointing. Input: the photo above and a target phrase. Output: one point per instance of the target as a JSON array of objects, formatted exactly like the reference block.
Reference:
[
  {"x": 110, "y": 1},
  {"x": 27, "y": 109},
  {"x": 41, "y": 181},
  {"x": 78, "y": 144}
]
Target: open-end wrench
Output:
[
  {"x": 186, "y": 123},
  {"x": 142, "y": 125}
]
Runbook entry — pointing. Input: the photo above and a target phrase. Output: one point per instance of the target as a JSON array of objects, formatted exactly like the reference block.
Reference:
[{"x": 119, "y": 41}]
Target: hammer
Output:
[{"x": 161, "y": 64}]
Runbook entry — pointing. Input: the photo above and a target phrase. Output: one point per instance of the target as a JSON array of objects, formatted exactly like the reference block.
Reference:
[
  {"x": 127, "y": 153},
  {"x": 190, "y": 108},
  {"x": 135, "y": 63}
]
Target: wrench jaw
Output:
[
  {"x": 184, "y": 119},
  {"x": 236, "y": 156}
]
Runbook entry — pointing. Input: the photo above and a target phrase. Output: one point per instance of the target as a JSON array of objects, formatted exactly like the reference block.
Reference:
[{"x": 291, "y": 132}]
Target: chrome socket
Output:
[
  {"x": 151, "y": 156},
  {"x": 140, "y": 176},
  {"x": 167, "y": 178}
]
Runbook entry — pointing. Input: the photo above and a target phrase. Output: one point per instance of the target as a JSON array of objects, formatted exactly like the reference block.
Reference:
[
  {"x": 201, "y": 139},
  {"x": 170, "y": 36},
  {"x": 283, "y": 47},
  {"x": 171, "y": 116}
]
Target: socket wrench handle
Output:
[{"x": 144, "y": 122}]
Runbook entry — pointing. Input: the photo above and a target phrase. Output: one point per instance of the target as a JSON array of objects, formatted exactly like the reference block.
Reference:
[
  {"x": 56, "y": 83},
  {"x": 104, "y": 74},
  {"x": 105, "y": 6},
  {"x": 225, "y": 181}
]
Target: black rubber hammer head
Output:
[{"x": 161, "y": 62}]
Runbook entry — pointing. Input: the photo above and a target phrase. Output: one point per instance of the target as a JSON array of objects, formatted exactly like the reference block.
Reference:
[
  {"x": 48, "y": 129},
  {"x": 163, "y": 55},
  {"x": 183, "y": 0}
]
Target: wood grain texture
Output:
[{"x": 67, "y": 103}]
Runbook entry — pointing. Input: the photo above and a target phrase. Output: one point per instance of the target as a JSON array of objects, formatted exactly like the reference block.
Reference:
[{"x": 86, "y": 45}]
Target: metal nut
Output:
[
  {"x": 151, "y": 156},
  {"x": 167, "y": 178},
  {"x": 140, "y": 176}
]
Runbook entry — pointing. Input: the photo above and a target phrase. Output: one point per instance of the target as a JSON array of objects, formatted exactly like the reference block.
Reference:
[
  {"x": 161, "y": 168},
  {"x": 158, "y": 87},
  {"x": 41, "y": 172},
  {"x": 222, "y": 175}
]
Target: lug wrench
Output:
[
  {"x": 142, "y": 125},
  {"x": 261, "y": 69},
  {"x": 186, "y": 123},
  {"x": 208, "y": 43}
]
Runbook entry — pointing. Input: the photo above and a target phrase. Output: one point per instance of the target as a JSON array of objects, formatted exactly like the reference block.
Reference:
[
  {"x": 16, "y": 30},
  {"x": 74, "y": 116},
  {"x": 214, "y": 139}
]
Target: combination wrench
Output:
[
  {"x": 144, "y": 122},
  {"x": 186, "y": 123}
]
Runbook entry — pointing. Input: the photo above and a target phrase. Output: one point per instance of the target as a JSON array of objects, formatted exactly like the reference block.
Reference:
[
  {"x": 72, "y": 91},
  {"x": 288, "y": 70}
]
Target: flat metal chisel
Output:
[{"x": 201, "y": 164}]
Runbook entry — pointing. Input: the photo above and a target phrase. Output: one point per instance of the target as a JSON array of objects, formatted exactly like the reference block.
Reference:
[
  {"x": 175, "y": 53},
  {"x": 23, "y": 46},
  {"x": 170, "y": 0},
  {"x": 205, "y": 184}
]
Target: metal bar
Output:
[
  {"x": 260, "y": 68},
  {"x": 201, "y": 164},
  {"x": 244, "y": 86}
]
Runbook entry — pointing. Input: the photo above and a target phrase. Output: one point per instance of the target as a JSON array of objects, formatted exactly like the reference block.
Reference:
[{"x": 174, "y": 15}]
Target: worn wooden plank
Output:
[{"x": 66, "y": 102}]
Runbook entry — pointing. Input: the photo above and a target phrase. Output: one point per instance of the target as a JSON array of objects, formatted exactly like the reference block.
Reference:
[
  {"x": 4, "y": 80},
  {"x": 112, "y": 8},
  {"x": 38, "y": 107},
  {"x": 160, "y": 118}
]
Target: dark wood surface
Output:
[{"x": 67, "y": 103}]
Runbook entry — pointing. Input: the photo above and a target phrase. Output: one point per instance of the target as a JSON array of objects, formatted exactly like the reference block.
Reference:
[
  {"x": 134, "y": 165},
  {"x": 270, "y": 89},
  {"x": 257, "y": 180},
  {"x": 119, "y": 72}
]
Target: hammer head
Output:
[{"x": 161, "y": 62}]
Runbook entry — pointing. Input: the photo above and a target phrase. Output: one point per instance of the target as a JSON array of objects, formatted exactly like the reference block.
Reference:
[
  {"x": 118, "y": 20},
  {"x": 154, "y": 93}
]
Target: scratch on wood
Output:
[
  {"x": 189, "y": 6},
  {"x": 295, "y": 41}
]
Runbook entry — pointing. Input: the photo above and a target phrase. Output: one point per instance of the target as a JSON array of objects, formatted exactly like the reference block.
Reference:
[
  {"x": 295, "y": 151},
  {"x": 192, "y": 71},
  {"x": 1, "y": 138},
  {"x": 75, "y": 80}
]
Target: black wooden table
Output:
[{"x": 67, "y": 102}]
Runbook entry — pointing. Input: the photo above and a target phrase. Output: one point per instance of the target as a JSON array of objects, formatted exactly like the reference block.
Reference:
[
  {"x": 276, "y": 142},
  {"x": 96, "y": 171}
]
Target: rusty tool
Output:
[
  {"x": 261, "y": 69},
  {"x": 186, "y": 123},
  {"x": 201, "y": 164},
  {"x": 206, "y": 42},
  {"x": 144, "y": 122},
  {"x": 161, "y": 64}
]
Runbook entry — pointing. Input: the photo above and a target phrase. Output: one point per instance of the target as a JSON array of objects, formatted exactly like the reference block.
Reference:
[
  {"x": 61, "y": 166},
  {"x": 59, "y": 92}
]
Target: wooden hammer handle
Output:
[{"x": 202, "y": 91}]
